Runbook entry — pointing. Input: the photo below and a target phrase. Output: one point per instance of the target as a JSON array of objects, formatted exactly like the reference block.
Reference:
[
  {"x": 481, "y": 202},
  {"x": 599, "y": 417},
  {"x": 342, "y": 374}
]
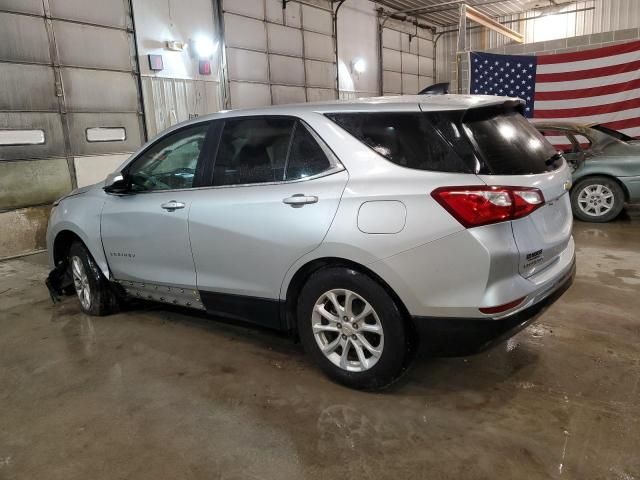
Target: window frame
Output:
[
  {"x": 200, "y": 164},
  {"x": 571, "y": 135},
  {"x": 123, "y": 139},
  {"x": 334, "y": 161},
  {"x": 575, "y": 134},
  {"x": 23, "y": 143},
  {"x": 567, "y": 133}
]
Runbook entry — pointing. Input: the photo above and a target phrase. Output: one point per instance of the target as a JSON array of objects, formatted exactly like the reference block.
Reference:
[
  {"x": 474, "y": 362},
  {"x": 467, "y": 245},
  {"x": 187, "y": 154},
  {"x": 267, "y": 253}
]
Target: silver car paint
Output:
[
  {"x": 144, "y": 242},
  {"x": 433, "y": 264},
  {"x": 546, "y": 230},
  {"x": 245, "y": 238},
  {"x": 79, "y": 213}
]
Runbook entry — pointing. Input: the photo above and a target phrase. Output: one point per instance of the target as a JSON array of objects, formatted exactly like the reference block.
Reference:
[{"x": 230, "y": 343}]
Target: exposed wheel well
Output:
[
  {"x": 303, "y": 274},
  {"x": 62, "y": 244},
  {"x": 627, "y": 195}
]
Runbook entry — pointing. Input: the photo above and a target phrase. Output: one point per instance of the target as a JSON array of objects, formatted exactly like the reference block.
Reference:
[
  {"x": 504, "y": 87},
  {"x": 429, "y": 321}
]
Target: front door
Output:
[
  {"x": 276, "y": 188},
  {"x": 145, "y": 233}
]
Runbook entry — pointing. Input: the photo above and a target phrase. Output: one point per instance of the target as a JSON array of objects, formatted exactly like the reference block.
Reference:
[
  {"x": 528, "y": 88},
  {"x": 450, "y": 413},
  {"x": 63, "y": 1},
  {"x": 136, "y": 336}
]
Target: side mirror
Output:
[{"x": 116, "y": 183}]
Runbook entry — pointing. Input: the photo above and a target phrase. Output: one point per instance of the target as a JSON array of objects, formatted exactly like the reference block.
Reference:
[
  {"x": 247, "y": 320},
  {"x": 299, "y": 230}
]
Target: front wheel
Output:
[
  {"x": 597, "y": 199},
  {"x": 352, "y": 329},
  {"x": 94, "y": 292}
]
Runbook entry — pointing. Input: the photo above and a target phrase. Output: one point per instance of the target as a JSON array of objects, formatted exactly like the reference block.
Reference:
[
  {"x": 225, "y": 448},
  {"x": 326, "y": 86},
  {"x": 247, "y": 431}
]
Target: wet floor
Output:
[{"x": 158, "y": 394}]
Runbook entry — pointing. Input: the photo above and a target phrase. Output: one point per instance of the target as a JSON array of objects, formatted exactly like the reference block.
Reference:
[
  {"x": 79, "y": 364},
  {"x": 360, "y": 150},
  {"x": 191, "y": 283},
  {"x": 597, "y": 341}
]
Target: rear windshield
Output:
[
  {"x": 487, "y": 141},
  {"x": 508, "y": 143}
]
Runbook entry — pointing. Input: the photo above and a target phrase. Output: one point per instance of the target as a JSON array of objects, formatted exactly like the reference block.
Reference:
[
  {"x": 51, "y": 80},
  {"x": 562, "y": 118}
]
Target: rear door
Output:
[
  {"x": 275, "y": 190},
  {"x": 516, "y": 154}
]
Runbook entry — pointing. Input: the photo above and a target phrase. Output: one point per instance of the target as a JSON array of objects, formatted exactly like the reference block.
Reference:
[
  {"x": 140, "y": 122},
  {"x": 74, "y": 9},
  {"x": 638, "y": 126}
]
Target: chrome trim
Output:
[
  {"x": 338, "y": 168},
  {"x": 183, "y": 297},
  {"x": 336, "y": 165}
]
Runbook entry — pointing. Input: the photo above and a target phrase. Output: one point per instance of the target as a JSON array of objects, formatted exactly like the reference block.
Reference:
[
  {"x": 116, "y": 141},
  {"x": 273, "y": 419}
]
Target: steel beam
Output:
[{"x": 486, "y": 21}]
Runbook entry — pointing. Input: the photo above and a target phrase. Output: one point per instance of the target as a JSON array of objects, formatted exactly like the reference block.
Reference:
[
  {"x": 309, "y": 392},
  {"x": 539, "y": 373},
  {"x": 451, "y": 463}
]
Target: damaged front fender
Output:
[{"x": 59, "y": 282}]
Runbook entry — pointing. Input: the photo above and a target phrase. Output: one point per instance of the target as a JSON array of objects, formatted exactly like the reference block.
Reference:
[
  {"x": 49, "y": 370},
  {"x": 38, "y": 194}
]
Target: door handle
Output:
[
  {"x": 300, "y": 200},
  {"x": 172, "y": 205}
]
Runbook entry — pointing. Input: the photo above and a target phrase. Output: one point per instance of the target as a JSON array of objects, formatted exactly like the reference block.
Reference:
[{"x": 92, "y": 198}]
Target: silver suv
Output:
[{"x": 354, "y": 225}]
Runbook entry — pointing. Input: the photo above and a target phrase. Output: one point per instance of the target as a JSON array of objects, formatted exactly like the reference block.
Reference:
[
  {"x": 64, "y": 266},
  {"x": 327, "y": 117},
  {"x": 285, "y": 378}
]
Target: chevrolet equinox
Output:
[{"x": 351, "y": 224}]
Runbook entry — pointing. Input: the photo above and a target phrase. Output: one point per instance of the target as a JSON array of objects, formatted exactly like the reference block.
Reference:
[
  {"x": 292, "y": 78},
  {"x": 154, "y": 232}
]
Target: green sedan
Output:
[{"x": 606, "y": 167}]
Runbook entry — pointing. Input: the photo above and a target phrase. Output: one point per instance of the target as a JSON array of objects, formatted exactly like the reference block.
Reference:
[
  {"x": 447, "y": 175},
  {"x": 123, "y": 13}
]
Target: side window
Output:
[
  {"x": 406, "y": 139},
  {"x": 584, "y": 142},
  {"x": 170, "y": 163},
  {"x": 252, "y": 150},
  {"x": 306, "y": 157},
  {"x": 560, "y": 140}
]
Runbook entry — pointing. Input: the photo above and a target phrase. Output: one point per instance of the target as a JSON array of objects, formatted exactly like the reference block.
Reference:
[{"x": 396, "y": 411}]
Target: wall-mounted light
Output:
[
  {"x": 175, "y": 46},
  {"x": 358, "y": 65},
  {"x": 203, "y": 47}
]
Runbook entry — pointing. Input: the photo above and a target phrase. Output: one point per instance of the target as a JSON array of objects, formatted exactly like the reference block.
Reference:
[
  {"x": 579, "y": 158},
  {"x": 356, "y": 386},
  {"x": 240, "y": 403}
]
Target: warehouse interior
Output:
[{"x": 157, "y": 392}]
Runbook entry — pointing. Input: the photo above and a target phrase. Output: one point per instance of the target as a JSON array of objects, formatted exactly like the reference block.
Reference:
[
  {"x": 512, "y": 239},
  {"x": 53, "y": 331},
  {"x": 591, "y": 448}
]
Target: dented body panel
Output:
[{"x": 79, "y": 213}]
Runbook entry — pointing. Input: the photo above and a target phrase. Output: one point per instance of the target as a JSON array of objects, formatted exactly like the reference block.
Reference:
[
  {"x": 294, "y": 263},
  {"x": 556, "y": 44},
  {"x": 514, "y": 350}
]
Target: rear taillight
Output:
[{"x": 474, "y": 206}]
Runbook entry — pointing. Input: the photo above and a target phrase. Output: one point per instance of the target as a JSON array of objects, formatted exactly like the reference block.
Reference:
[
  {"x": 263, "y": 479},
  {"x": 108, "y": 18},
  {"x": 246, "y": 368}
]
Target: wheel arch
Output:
[
  {"x": 303, "y": 273},
  {"x": 63, "y": 239},
  {"x": 625, "y": 190},
  {"x": 62, "y": 244}
]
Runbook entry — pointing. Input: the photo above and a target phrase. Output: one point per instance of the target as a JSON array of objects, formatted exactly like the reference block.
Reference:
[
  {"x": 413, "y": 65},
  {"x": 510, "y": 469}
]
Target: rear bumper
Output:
[{"x": 465, "y": 336}]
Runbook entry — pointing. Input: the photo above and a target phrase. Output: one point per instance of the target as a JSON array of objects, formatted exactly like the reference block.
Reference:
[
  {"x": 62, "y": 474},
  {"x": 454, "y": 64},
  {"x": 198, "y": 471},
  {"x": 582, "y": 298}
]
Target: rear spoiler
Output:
[
  {"x": 436, "y": 89},
  {"x": 488, "y": 110}
]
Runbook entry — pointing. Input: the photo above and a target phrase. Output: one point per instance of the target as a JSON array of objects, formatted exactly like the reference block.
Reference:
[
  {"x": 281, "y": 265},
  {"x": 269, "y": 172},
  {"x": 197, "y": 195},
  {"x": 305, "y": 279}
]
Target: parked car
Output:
[
  {"x": 351, "y": 224},
  {"x": 606, "y": 167}
]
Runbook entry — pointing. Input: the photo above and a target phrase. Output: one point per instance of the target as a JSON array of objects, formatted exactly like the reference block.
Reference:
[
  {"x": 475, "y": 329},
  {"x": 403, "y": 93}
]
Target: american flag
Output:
[{"x": 601, "y": 85}]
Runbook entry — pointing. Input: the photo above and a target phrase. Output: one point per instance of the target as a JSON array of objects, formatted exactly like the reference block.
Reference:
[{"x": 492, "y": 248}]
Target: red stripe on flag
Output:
[
  {"x": 589, "y": 92},
  {"x": 588, "y": 111},
  {"x": 623, "y": 124},
  {"x": 589, "y": 54},
  {"x": 590, "y": 73}
]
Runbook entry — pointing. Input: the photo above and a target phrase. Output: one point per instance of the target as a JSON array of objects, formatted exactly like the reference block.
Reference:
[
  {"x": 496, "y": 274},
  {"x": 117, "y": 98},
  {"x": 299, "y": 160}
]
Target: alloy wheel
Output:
[
  {"x": 596, "y": 200},
  {"x": 81, "y": 282},
  {"x": 347, "y": 330}
]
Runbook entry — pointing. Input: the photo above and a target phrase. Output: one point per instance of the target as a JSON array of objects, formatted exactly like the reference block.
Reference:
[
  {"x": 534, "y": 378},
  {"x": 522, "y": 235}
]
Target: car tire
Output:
[
  {"x": 592, "y": 193},
  {"x": 383, "y": 329},
  {"x": 95, "y": 293}
]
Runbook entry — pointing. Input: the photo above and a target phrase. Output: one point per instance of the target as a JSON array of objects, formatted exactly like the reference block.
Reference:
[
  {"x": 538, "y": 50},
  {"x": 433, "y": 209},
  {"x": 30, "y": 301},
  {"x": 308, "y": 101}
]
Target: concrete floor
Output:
[{"x": 157, "y": 394}]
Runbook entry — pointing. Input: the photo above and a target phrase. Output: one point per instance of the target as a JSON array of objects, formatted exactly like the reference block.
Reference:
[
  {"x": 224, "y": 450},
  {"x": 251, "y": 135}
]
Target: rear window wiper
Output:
[{"x": 553, "y": 159}]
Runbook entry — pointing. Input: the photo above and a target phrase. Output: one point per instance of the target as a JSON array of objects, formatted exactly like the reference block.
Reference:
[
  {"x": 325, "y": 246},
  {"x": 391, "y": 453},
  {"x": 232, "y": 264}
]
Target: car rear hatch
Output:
[{"x": 513, "y": 153}]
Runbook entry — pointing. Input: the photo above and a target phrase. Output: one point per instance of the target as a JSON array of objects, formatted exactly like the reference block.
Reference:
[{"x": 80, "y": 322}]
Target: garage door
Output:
[
  {"x": 279, "y": 55},
  {"x": 407, "y": 60},
  {"x": 69, "y": 106}
]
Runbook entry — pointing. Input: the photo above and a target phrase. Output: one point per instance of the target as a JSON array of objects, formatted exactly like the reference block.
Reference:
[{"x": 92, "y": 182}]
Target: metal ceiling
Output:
[{"x": 443, "y": 13}]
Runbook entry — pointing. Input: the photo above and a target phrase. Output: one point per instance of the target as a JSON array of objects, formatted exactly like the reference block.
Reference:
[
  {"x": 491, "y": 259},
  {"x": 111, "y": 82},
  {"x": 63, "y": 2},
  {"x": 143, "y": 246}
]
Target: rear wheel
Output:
[
  {"x": 597, "y": 199},
  {"x": 352, "y": 329},
  {"x": 94, "y": 292}
]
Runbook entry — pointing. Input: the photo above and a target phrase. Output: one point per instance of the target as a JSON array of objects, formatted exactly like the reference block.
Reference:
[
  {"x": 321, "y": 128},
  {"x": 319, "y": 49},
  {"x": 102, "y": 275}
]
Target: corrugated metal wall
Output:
[
  {"x": 407, "y": 58},
  {"x": 179, "y": 91},
  {"x": 277, "y": 55},
  {"x": 590, "y": 16},
  {"x": 169, "y": 101}
]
